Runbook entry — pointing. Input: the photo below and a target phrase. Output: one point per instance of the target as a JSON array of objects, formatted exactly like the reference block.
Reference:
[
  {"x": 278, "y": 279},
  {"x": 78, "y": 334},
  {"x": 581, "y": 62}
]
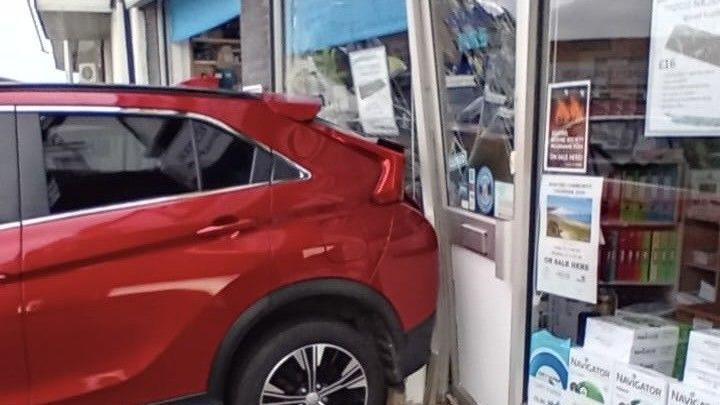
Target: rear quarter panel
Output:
[{"x": 327, "y": 226}]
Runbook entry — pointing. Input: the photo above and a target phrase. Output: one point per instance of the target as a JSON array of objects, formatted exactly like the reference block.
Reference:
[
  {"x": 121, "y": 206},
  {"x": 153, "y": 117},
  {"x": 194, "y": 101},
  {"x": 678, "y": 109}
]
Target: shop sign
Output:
[
  {"x": 372, "y": 90},
  {"x": 569, "y": 236},
  {"x": 566, "y": 141},
  {"x": 684, "y": 69}
]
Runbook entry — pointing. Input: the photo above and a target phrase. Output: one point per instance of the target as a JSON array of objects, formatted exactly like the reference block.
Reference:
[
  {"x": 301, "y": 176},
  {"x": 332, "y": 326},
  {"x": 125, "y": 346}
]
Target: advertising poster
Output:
[
  {"x": 569, "y": 236},
  {"x": 684, "y": 69},
  {"x": 566, "y": 143},
  {"x": 372, "y": 90}
]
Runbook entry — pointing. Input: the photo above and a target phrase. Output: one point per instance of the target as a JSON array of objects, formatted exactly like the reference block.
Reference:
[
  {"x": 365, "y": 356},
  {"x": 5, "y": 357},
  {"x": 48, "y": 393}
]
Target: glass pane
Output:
[
  {"x": 9, "y": 201},
  {"x": 653, "y": 141},
  {"x": 96, "y": 160},
  {"x": 226, "y": 160},
  {"x": 476, "y": 45},
  {"x": 282, "y": 170},
  {"x": 354, "y": 55}
]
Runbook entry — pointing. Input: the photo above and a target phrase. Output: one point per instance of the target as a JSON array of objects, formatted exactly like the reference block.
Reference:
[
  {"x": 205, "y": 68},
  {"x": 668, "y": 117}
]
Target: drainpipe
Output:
[{"x": 67, "y": 59}]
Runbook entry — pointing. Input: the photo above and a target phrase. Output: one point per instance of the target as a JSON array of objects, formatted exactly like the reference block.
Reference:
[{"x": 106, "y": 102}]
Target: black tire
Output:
[{"x": 267, "y": 355}]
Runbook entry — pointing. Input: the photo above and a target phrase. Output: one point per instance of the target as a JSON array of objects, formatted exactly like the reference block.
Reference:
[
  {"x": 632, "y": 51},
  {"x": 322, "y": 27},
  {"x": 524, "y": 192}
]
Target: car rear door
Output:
[
  {"x": 127, "y": 250},
  {"x": 13, "y": 373}
]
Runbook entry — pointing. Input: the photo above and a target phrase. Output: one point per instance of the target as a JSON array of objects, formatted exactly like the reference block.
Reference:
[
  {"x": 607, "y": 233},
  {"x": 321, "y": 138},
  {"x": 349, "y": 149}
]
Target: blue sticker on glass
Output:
[{"x": 484, "y": 191}]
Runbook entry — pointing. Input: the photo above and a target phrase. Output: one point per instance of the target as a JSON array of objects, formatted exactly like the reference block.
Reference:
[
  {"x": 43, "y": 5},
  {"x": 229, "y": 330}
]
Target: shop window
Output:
[
  {"x": 627, "y": 269},
  {"x": 216, "y": 53},
  {"x": 476, "y": 51},
  {"x": 98, "y": 160},
  {"x": 354, "y": 56}
]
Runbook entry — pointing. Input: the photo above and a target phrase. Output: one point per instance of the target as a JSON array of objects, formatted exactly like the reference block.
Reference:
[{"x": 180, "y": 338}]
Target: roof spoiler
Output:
[{"x": 297, "y": 108}]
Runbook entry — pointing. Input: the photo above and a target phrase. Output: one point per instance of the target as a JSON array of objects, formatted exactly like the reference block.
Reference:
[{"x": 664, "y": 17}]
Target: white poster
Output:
[
  {"x": 684, "y": 69},
  {"x": 372, "y": 90},
  {"x": 569, "y": 236}
]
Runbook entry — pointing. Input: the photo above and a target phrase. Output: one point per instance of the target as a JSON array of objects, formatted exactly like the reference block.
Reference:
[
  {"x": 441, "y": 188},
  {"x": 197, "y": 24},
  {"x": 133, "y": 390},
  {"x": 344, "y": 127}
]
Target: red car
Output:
[{"x": 162, "y": 245}]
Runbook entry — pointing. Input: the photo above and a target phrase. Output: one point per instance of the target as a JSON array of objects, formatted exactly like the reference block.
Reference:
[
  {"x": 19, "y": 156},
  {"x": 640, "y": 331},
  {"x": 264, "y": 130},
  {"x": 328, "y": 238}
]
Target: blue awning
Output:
[
  {"x": 191, "y": 17},
  {"x": 318, "y": 24}
]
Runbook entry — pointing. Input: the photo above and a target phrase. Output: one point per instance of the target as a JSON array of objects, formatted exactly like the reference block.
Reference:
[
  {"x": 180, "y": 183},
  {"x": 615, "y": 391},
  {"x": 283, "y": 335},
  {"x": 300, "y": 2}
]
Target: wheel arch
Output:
[{"x": 367, "y": 300}]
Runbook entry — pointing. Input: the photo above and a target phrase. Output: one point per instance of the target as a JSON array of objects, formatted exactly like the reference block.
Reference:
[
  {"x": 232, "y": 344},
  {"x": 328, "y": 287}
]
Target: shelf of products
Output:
[
  {"x": 216, "y": 41},
  {"x": 217, "y": 49},
  {"x": 616, "y": 117},
  {"x": 638, "y": 225},
  {"x": 640, "y": 228},
  {"x": 701, "y": 266},
  {"x": 205, "y": 62},
  {"x": 707, "y": 312},
  {"x": 635, "y": 284}
]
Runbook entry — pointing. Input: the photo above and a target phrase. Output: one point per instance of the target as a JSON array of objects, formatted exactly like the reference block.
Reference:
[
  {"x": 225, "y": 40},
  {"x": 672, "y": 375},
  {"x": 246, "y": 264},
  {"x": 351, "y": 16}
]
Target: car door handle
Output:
[{"x": 226, "y": 225}]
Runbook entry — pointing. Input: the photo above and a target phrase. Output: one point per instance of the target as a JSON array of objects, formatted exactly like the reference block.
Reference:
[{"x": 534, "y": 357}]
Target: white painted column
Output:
[
  {"x": 139, "y": 38},
  {"x": 67, "y": 61},
  {"x": 118, "y": 45}
]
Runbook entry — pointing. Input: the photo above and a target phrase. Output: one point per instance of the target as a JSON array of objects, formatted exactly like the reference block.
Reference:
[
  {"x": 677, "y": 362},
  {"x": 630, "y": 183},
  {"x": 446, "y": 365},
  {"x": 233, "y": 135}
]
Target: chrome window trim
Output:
[
  {"x": 138, "y": 204},
  {"x": 305, "y": 174},
  {"x": 9, "y": 225},
  {"x": 7, "y": 108}
]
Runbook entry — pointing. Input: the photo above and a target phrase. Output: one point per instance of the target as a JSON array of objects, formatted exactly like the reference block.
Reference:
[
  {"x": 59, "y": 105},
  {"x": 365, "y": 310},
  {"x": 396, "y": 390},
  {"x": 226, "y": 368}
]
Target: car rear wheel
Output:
[{"x": 311, "y": 363}]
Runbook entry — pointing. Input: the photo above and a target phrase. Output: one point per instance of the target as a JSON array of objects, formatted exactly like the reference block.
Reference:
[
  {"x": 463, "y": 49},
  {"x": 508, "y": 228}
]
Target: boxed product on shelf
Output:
[
  {"x": 701, "y": 378},
  {"x": 636, "y": 385},
  {"x": 608, "y": 256},
  {"x": 612, "y": 197},
  {"x": 628, "y": 255},
  {"x": 704, "y": 350},
  {"x": 703, "y": 201},
  {"x": 548, "y": 368},
  {"x": 668, "y": 198},
  {"x": 665, "y": 367},
  {"x": 590, "y": 378},
  {"x": 567, "y": 317},
  {"x": 645, "y": 193},
  {"x": 702, "y": 365},
  {"x": 629, "y": 195},
  {"x": 664, "y": 259},
  {"x": 645, "y": 340},
  {"x": 683, "y": 394},
  {"x": 682, "y": 349}
]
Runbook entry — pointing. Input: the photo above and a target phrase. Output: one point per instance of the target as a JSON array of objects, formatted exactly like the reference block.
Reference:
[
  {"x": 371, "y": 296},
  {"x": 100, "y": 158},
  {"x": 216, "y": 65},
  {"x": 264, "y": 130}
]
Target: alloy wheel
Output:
[{"x": 316, "y": 374}]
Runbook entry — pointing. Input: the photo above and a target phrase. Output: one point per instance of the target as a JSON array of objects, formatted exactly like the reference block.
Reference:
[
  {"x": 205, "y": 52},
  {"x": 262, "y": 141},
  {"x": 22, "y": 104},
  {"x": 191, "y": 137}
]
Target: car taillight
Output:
[
  {"x": 389, "y": 155},
  {"x": 389, "y": 187}
]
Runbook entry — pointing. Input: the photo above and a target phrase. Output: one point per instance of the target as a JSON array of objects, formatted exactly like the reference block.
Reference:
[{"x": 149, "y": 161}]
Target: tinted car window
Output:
[
  {"x": 283, "y": 170},
  {"x": 98, "y": 160},
  {"x": 9, "y": 204},
  {"x": 227, "y": 160}
]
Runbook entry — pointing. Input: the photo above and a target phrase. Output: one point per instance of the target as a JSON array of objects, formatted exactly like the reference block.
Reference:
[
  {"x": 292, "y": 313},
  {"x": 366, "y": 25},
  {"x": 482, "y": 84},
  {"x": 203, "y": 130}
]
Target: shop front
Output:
[
  {"x": 145, "y": 42},
  {"x": 566, "y": 151},
  {"x": 625, "y": 275}
]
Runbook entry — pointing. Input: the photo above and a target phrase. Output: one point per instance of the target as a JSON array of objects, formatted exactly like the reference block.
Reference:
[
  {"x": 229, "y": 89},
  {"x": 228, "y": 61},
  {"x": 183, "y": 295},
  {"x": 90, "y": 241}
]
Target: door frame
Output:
[{"x": 512, "y": 250}]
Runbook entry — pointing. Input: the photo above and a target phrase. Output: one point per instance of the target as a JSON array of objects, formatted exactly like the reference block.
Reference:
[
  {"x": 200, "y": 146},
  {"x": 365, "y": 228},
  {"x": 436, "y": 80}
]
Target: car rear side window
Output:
[
  {"x": 9, "y": 201},
  {"x": 96, "y": 160},
  {"x": 283, "y": 170},
  {"x": 227, "y": 160}
]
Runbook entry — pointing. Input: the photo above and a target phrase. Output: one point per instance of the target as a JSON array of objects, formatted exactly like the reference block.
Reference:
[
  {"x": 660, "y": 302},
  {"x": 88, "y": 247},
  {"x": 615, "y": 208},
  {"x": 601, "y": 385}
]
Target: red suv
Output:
[{"x": 162, "y": 245}]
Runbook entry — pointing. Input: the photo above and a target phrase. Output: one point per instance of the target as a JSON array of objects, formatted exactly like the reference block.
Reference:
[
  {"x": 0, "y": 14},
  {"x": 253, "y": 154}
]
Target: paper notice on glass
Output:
[
  {"x": 372, "y": 90},
  {"x": 569, "y": 236},
  {"x": 684, "y": 69},
  {"x": 566, "y": 141}
]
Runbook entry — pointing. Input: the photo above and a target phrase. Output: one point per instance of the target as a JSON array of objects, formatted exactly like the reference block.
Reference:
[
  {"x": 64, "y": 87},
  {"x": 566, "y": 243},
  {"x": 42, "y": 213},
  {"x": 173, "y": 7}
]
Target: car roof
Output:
[{"x": 126, "y": 88}]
